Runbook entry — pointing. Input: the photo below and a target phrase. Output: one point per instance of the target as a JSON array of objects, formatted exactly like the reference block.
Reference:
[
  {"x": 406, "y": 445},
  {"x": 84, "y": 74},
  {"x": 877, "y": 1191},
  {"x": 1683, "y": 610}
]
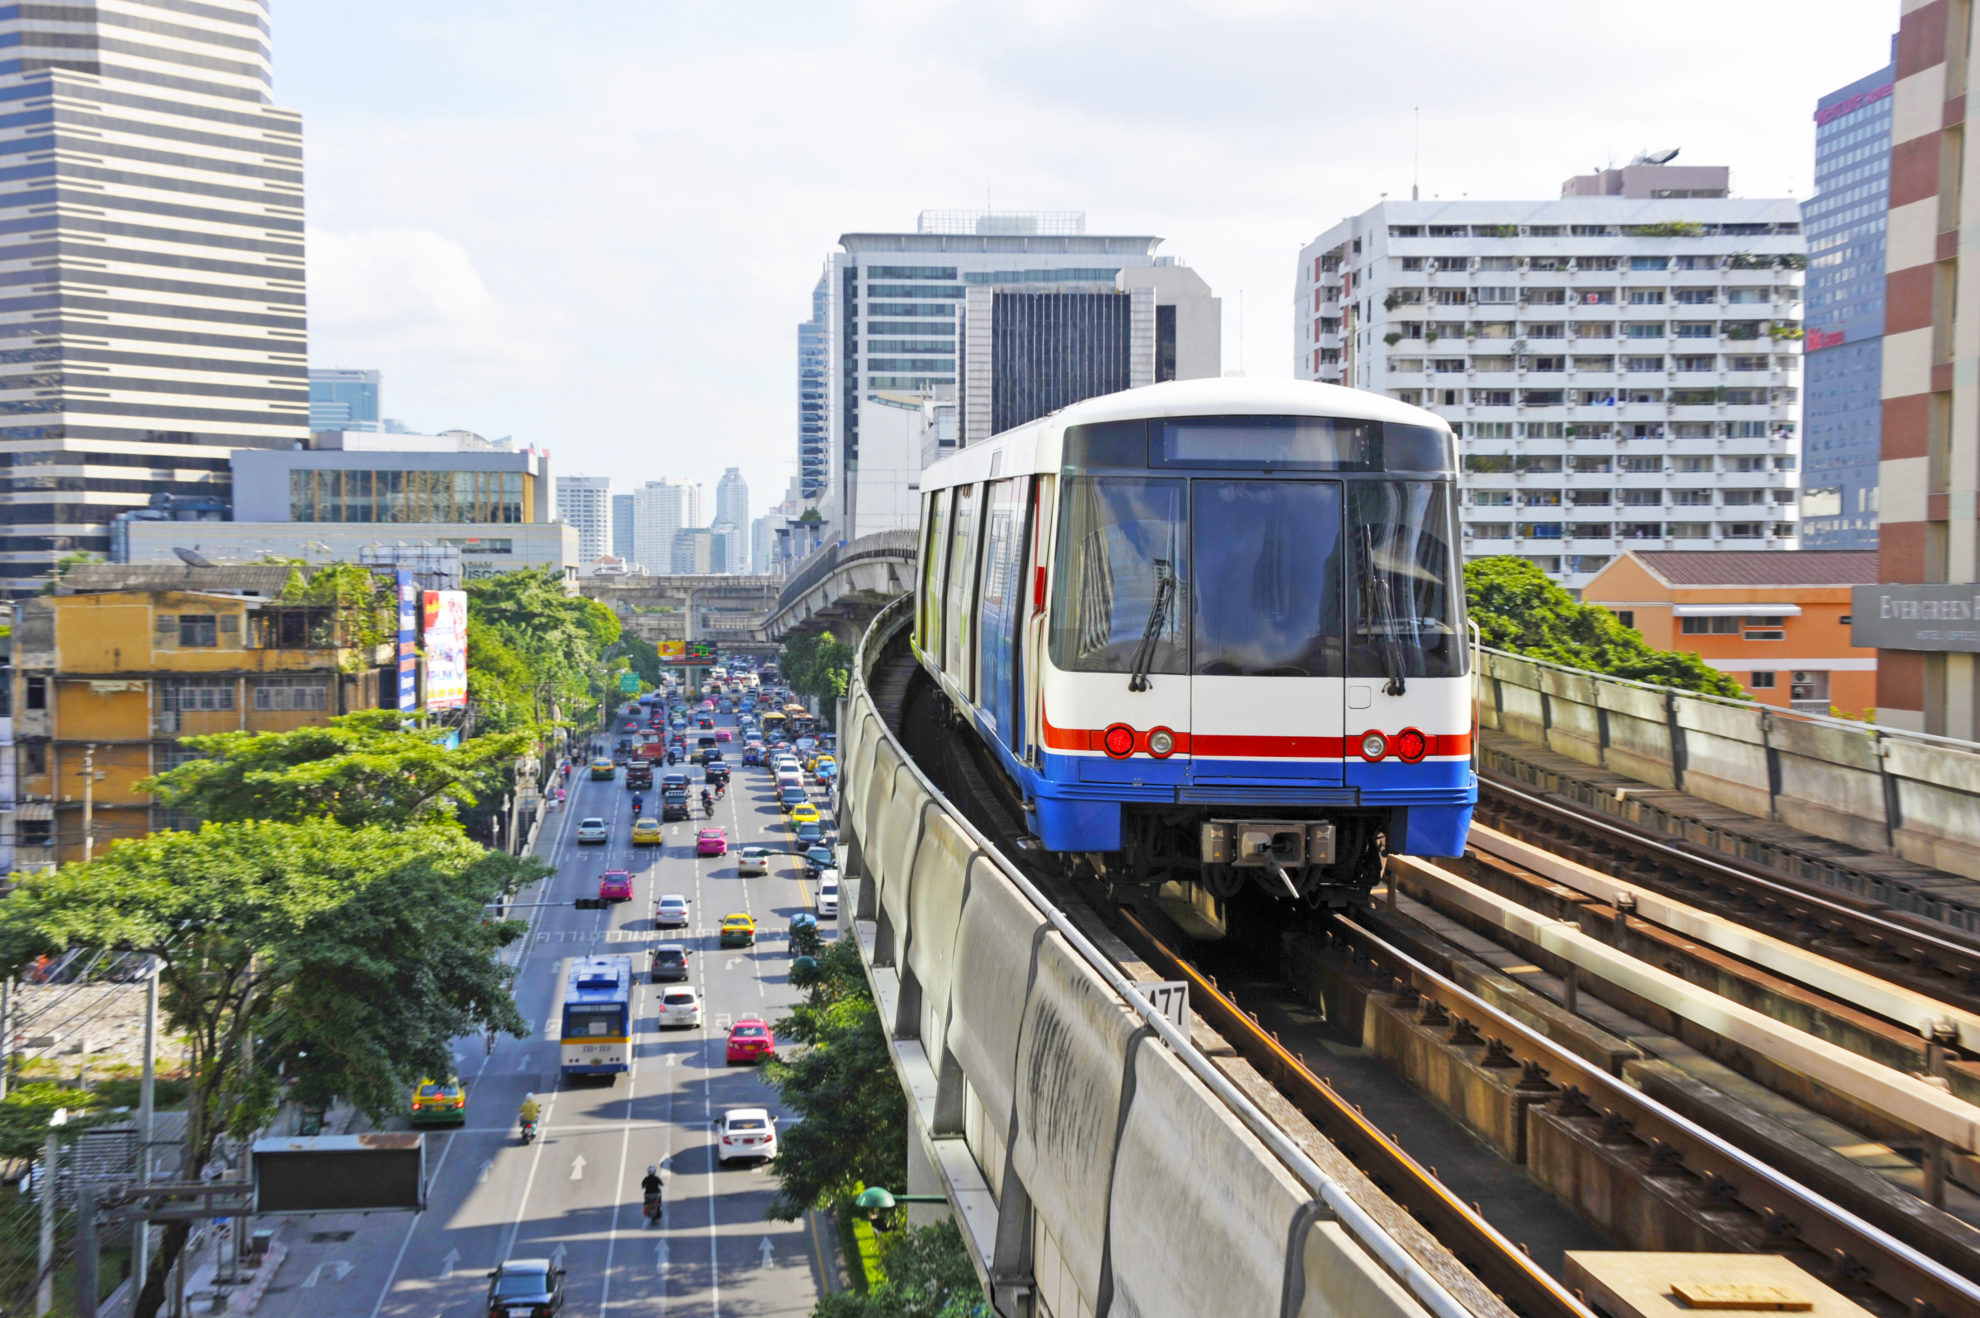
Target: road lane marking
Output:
[{"x": 577, "y": 1168}]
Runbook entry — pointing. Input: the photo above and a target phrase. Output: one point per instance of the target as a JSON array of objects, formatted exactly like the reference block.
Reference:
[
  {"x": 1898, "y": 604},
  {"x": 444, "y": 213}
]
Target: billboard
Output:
[
  {"x": 687, "y": 654},
  {"x": 340, "y": 1174},
  {"x": 446, "y": 649},
  {"x": 1935, "y": 617},
  {"x": 408, "y": 629}
]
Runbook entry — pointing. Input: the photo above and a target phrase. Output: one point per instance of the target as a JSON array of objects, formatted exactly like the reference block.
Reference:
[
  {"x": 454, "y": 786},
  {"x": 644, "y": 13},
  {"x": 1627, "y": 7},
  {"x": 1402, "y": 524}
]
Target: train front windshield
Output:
[{"x": 1258, "y": 575}]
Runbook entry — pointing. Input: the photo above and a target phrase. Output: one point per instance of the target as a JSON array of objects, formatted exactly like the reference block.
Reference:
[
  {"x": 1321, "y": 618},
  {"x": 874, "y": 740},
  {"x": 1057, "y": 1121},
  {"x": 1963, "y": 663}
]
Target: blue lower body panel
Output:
[
  {"x": 1429, "y": 830},
  {"x": 1070, "y": 824}
]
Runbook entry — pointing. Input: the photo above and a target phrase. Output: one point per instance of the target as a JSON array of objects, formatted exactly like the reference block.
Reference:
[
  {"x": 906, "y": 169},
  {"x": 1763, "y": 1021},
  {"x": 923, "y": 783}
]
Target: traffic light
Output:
[{"x": 590, "y": 903}]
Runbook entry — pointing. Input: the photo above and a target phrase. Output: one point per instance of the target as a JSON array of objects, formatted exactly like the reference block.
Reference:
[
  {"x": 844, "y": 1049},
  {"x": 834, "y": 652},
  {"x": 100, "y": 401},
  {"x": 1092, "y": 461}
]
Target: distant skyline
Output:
[{"x": 614, "y": 267}]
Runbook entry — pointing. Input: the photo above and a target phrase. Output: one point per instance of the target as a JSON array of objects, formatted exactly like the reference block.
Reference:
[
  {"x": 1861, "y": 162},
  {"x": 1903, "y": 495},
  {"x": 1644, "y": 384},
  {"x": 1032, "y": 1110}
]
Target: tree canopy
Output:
[
  {"x": 349, "y": 957},
  {"x": 532, "y": 646},
  {"x": 852, "y": 1127},
  {"x": 929, "y": 1275},
  {"x": 370, "y": 767},
  {"x": 1519, "y": 608},
  {"x": 818, "y": 664}
]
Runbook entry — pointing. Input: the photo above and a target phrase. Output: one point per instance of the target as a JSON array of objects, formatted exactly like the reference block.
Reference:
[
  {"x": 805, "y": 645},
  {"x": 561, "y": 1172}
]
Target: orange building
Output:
[{"x": 1777, "y": 620}]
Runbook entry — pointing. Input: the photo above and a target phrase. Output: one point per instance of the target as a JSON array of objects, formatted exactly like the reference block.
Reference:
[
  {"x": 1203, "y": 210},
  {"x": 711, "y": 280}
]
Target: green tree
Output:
[
  {"x": 1518, "y": 608},
  {"x": 342, "y": 962},
  {"x": 818, "y": 664},
  {"x": 364, "y": 768},
  {"x": 852, "y": 1127},
  {"x": 531, "y": 646},
  {"x": 929, "y": 1275}
]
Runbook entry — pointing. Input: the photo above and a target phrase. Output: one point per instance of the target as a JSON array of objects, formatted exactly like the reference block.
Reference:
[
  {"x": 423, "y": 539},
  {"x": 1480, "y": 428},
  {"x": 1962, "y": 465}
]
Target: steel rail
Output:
[
  {"x": 1792, "y": 1211},
  {"x": 1492, "y": 1258}
]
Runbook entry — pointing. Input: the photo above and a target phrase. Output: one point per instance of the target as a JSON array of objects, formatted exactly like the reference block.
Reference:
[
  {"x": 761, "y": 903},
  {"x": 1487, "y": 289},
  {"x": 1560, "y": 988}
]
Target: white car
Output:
[
  {"x": 752, "y": 861},
  {"x": 680, "y": 1005},
  {"x": 828, "y": 894},
  {"x": 592, "y": 829},
  {"x": 745, "y": 1132},
  {"x": 670, "y": 911}
]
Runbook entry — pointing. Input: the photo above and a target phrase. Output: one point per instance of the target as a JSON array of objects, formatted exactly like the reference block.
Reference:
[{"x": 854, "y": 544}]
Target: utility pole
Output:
[
  {"x": 89, "y": 799},
  {"x": 6, "y": 1046},
  {"x": 147, "y": 1110},
  {"x": 44, "y": 1293}
]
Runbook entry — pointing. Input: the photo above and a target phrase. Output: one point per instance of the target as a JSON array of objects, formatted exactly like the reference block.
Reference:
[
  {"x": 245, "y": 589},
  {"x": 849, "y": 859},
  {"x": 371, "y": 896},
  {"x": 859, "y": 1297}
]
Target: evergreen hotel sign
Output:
[{"x": 1937, "y": 617}]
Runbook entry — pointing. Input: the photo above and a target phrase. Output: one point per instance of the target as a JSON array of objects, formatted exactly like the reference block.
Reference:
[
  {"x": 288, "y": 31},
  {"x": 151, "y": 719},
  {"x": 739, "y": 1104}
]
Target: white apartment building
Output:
[
  {"x": 660, "y": 509},
  {"x": 1622, "y": 366},
  {"x": 732, "y": 519},
  {"x": 586, "y": 503}
]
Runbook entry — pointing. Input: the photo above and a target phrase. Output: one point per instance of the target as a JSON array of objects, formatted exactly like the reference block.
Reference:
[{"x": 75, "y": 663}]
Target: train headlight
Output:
[
  {"x": 1411, "y": 745},
  {"x": 1161, "y": 742},
  {"x": 1119, "y": 741},
  {"x": 1373, "y": 745}
]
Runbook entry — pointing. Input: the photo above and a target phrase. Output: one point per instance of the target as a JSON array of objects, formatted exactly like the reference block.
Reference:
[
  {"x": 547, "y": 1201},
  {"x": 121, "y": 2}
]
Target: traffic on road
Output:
[{"x": 653, "y": 1010}]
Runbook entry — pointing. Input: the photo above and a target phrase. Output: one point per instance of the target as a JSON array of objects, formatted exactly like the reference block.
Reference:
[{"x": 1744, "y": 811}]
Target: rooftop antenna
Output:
[{"x": 1415, "y": 148}]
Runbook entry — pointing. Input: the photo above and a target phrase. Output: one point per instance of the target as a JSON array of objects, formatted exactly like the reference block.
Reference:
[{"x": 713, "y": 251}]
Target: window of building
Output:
[
  {"x": 1642, "y": 498},
  {"x": 339, "y": 495},
  {"x": 1447, "y": 297},
  {"x": 1546, "y": 297},
  {"x": 1694, "y": 329},
  {"x": 1497, "y": 295},
  {"x": 182, "y": 694},
  {"x": 1643, "y": 363},
  {"x": 1695, "y": 363},
  {"x": 36, "y": 695},
  {"x": 1810, "y": 692},
  {"x": 1627, "y": 617},
  {"x": 1648, "y": 262},
  {"x": 1593, "y": 262},
  {"x": 1494, "y": 329},
  {"x": 34, "y": 757},
  {"x": 1707, "y": 626},
  {"x": 1491, "y": 430},
  {"x": 1760, "y": 681},
  {"x": 1491, "y": 363},
  {"x": 36, "y": 832},
  {"x": 1595, "y": 329},
  {"x": 1746, "y": 363},
  {"x": 1646, "y": 297},
  {"x": 1551, "y": 329},
  {"x": 1492, "y": 498},
  {"x": 198, "y": 630},
  {"x": 1451, "y": 262},
  {"x": 1645, "y": 329},
  {"x": 1694, "y": 297},
  {"x": 291, "y": 693}
]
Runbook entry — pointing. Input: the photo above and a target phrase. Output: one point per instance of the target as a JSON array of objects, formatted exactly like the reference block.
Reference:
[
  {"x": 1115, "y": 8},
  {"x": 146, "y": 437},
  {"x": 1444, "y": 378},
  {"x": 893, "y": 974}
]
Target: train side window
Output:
[
  {"x": 931, "y": 575},
  {"x": 1407, "y": 589},
  {"x": 1000, "y": 601},
  {"x": 962, "y": 589}
]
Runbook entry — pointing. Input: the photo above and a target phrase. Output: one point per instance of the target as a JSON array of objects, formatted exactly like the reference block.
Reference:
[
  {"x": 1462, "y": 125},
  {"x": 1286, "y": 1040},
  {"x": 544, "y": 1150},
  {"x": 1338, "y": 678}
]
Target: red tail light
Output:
[
  {"x": 1119, "y": 741},
  {"x": 1411, "y": 745}
]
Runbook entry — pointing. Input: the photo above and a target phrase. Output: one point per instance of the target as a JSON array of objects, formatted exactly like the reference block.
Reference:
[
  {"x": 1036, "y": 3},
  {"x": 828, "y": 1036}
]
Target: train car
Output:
[
  {"x": 597, "y": 1017},
  {"x": 1213, "y": 631}
]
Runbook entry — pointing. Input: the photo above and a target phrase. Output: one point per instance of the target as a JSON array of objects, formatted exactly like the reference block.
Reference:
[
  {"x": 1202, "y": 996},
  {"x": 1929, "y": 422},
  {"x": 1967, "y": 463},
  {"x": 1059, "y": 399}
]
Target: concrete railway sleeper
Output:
[{"x": 1826, "y": 1238}]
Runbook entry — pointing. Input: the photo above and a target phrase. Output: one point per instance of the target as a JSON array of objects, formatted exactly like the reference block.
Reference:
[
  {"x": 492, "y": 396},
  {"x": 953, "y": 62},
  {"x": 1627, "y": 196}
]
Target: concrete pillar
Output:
[{"x": 922, "y": 1179}]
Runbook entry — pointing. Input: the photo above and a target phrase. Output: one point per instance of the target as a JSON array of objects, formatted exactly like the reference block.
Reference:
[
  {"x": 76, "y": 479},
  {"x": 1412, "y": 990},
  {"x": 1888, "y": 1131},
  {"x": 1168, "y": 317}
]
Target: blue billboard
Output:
[{"x": 408, "y": 652}]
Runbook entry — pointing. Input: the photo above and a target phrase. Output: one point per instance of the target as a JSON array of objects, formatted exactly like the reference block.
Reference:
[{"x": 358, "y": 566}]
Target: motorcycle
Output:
[
  {"x": 720, "y": 791},
  {"x": 707, "y": 809},
  {"x": 638, "y": 801},
  {"x": 654, "y": 1208},
  {"x": 528, "y": 1131}
]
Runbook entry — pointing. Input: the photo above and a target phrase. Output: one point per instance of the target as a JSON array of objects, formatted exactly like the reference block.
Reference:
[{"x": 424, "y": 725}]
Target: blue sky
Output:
[{"x": 595, "y": 226}]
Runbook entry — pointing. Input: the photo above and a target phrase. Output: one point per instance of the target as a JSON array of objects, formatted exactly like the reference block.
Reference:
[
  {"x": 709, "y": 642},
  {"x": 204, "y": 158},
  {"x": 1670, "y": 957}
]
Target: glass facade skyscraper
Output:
[
  {"x": 814, "y": 372},
  {"x": 1842, "y": 409},
  {"x": 153, "y": 314},
  {"x": 344, "y": 400}
]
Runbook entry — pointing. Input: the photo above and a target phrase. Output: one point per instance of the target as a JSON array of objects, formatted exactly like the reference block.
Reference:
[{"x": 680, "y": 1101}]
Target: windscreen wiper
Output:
[
  {"x": 1379, "y": 584},
  {"x": 1144, "y": 654}
]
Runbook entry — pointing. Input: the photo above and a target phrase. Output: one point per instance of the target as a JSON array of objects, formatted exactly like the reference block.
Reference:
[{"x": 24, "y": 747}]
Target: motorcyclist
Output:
[
  {"x": 650, "y": 1191},
  {"x": 638, "y": 801},
  {"x": 707, "y": 798},
  {"x": 526, "y": 1114}
]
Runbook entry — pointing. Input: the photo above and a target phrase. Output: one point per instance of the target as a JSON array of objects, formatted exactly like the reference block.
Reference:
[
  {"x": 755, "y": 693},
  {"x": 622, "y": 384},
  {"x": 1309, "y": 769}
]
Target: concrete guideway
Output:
[
  {"x": 574, "y": 1193},
  {"x": 1149, "y": 1179},
  {"x": 844, "y": 585}
]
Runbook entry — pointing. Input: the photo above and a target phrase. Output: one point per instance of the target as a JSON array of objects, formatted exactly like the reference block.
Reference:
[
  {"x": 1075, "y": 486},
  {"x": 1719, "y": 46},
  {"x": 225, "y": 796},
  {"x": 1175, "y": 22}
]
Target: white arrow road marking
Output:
[
  {"x": 557, "y": 1257},
  {"x": 577, "y": 1168},
  {"x": 766, "y": 1249},
  {"x": 481, "y": 1177},
  {"x": 660, "y": 1256},
  {"x": 340, "y": 1268},
  {"x": 447, "y": 1264},
  {"x": 673, "y": 1058}
]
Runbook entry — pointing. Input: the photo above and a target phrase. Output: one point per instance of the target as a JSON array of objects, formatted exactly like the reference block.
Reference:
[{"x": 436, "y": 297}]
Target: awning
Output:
[{"x": 1736, "y": 610}]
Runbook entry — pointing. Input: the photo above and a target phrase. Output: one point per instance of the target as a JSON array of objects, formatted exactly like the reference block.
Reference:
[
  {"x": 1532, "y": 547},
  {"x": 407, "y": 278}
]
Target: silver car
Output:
[
  {"x": 670, "y": 911},
  {"x": 680, "y": 1006},
  {"x": 752, "y": 861},
  {"x": 592, "y": 830}
]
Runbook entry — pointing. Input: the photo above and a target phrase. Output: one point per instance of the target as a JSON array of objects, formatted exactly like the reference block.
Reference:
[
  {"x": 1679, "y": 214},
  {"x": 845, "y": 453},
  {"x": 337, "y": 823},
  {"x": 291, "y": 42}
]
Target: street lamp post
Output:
[{"x": 875, "y": 1200}]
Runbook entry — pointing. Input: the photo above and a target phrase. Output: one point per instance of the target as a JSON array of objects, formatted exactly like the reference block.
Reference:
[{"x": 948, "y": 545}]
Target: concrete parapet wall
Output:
[{"x": 1877, "y": 789}]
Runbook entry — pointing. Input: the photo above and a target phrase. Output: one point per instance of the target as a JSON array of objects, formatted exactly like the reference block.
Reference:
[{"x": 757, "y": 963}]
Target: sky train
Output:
[{"x": 1212, "y": 630}]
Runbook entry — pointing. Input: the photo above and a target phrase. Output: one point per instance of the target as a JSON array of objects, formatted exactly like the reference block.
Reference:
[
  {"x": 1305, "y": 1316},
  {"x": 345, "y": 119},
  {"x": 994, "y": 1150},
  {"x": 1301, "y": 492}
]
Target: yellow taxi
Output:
[
  {"x": 602, "y": 769},
  {"x": 646, "y": 833},
  {"x": 804, "y": 813},
  {"x": 738, "y": 930},
  {"x": 439, "y": 1103}
]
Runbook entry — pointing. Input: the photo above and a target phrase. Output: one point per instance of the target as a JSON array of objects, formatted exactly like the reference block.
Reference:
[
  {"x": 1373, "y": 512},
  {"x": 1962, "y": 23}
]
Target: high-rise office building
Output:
[
  {"x": 700, "y": 551},
  {"x": 660, "y": 510},
  {"x": 1928, "y": 534},
  {"x": 732, "y": 518},
  {"x": 814, "y": 386},
  {"x": 622, "y": 527},
  {"x": 586, "y": 503},
  {"x": 156, "y": 315},
  {"x": 1842, "y": 407},
  {"x": 1027, "y": 352},
  {"x": 344, "y": 400},
  {"x": 891, "y": 303},
  {"x": 1622, "y": 366}
]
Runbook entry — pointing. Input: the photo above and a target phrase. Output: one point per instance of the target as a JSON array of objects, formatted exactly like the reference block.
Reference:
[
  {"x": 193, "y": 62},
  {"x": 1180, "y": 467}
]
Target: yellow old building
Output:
[{"x": 124, "y": 659}]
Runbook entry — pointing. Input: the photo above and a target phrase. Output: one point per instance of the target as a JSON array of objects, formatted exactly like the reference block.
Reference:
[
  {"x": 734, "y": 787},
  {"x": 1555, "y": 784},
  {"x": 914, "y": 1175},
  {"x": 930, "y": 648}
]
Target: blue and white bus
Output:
[{"x": 597, "y": 1036}]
